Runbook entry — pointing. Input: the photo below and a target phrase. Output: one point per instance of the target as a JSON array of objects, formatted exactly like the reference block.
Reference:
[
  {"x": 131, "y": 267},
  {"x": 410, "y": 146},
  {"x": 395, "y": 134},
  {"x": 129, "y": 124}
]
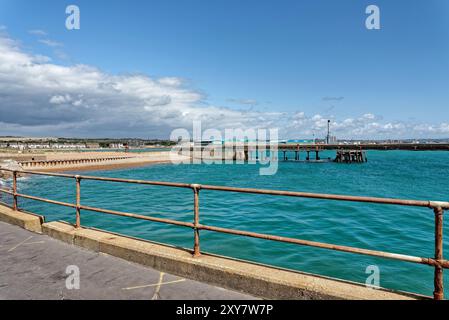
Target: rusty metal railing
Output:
[{"x": 438, "y": 261}]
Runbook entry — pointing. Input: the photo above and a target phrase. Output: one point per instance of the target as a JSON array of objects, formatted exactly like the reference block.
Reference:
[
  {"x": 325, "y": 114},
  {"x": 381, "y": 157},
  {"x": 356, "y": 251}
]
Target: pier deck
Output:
[{"x": 33, "y": 266}]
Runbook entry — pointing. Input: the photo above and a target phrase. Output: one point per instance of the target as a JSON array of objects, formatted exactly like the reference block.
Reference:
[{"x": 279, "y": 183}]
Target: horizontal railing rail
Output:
[{"x": 438, "y": 262}]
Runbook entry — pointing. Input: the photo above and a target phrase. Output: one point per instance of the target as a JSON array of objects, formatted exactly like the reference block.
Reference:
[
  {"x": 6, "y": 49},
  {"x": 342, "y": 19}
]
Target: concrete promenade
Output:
[{"x": 33, "y": 266}]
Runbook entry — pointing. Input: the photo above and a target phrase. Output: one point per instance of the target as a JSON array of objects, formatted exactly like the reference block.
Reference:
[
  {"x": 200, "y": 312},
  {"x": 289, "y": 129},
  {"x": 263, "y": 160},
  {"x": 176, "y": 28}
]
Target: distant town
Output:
[
  {"x": 31, "y": 143},
  {"x": 53, "y": 143}
]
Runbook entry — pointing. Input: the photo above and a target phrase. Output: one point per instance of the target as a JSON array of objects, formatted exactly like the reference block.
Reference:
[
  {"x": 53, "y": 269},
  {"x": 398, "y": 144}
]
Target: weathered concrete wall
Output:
[
  {"x": 254, "y": 279},
  {"x": 27, "y": 221},
  {"x": 95, "y": 160}
]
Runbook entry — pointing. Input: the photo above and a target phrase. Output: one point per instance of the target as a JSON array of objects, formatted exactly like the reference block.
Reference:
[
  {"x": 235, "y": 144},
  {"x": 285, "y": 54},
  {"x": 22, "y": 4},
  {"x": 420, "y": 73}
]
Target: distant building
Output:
[
  {"x": 333, "y": 140},
  {"x": 116, "y": 145},
  {"x": 91, "y": 145},
  {"x": 300, "y": 141},
  {"x": 34, "y": 145}
]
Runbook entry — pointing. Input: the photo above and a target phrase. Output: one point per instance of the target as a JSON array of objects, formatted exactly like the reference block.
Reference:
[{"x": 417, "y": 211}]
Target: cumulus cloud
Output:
[
  {"x": 368, "y": 126},
  {"x": 41, "y": 98},
  {"x": 38, "y": 96}
]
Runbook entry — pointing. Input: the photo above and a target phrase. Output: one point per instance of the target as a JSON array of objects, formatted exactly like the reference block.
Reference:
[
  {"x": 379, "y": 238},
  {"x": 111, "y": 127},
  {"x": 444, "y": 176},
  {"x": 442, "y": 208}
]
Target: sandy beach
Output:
[{"x": 71, "y": 161}]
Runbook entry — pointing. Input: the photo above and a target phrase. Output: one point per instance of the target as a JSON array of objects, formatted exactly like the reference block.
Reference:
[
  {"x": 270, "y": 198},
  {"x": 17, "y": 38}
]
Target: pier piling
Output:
[{"x": 350, "y": 156}]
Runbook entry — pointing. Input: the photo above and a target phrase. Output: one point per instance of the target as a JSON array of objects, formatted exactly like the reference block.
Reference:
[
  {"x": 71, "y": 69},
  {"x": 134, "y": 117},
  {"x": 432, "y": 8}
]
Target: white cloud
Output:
[
  {"x": 36, "y": 94},
  {"x": 50, "y": 43},
  {"x": 250, "y": 102},
  {"x": 58, "y": 99},
  {"x": 38, "y": 32},
  {"x": 41, "y": 59},
  {"x": 77, "y": 102},
  {"x": 38, "y": 97},
  {"x": 369, "y": 116},
  {"x": 170, "y": 81},
  {"x": 42, "y": 38}
]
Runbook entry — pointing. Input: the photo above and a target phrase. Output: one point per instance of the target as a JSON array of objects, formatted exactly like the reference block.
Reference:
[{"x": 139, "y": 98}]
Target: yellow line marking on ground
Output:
[
  {"x": 158, "y": 288},
  {"x": 18, "y": 245},
  {"x": 154, "y": 284},
  {"x": 168, "y": 282}
]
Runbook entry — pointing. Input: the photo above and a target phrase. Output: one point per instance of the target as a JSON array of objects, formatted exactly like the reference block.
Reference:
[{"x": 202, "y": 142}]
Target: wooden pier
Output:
[
  {"x": 311, "y": 155},
  {"x": 350, "y": 156},
  {"x": 374, "y": 146},
  {"x": 342, "y": 156},
  {"x": 254, "y": 153}
]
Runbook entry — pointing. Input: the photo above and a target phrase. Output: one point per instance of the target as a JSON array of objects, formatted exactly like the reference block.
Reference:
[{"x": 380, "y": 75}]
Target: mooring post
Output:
[
  {"x": 14, "y": 190},
  {"x": 438, "y": 293},
  {"x": 78, "y": 202},
  {"x": 196, "y": 220}
]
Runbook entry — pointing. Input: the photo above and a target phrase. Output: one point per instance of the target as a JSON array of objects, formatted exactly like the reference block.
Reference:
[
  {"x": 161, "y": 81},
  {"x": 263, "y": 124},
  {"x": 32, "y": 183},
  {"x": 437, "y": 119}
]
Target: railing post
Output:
[
  {"x": 14, "y": 190},
  {"x": 78, "y": 202},
  {"x": 438, "y": 293},
  {"x": 196, "y": 220}
]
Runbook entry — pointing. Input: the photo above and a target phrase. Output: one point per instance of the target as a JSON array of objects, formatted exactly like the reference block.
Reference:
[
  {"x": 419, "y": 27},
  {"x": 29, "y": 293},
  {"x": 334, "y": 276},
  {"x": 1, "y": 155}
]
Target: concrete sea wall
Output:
[{"x": 255, "y": 279}]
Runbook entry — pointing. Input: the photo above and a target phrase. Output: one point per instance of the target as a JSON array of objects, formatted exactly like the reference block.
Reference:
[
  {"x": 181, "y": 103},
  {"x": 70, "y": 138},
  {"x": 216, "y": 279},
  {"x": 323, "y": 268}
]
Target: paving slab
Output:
[{"x": 35, "y": 266}]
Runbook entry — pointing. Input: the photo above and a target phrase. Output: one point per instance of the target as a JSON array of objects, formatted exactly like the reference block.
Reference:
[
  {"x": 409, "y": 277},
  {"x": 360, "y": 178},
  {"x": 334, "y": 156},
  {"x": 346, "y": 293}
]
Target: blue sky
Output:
[{"x": 292, "y": 57}]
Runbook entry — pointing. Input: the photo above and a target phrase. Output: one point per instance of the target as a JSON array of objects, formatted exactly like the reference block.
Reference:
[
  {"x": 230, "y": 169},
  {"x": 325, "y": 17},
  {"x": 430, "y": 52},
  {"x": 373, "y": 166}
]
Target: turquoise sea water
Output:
[{"x": 400, "y": 174}]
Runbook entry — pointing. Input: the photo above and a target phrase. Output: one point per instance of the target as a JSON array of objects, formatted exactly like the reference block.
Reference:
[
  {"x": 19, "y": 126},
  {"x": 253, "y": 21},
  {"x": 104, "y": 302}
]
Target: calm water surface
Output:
[{"x": 401, "y": 174}]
